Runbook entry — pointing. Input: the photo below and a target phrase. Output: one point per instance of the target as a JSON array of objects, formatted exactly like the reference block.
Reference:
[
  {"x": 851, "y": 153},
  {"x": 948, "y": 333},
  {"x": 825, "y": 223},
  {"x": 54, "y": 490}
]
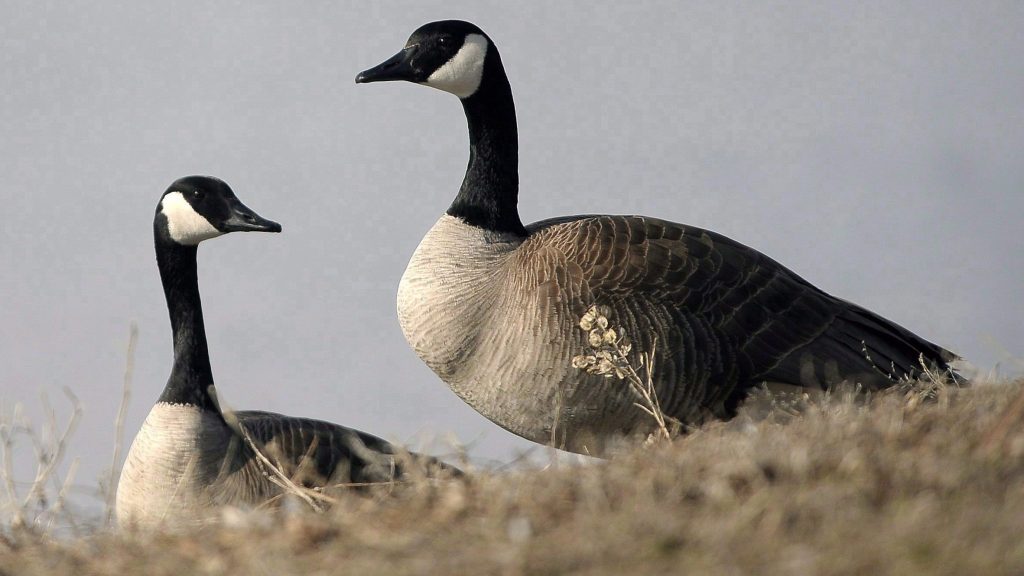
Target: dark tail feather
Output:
[
  {"x": 897, "y": 346},
  {"x": 862, "y": 346}
]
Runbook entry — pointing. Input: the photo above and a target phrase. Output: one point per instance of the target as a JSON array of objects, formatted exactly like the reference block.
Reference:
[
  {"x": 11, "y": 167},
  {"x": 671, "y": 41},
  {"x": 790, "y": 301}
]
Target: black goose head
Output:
[
  {"x": 449, "y": 55},
  {"x": 197, "y": 208}
]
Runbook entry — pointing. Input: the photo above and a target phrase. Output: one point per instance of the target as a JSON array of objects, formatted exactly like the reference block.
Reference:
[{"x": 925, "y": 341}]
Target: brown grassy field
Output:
[{"x": 895, "y": 484}]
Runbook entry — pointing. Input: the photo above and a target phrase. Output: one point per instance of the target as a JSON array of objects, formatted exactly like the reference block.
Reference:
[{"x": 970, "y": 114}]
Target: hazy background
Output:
[{"x": 877, "y": 150}]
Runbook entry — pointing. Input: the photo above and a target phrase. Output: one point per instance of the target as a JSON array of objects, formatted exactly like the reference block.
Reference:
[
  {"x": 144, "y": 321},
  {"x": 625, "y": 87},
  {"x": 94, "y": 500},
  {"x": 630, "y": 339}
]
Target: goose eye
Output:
[
  {"x": 444, "y": 40},
  {"x": 197, "y": 194}
]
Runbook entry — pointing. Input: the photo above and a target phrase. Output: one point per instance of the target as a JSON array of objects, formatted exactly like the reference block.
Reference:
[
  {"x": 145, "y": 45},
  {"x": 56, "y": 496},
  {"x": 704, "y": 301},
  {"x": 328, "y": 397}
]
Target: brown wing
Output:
[
  {"x": 726, "y": 316},
  {"x": 317, "y": 453}
]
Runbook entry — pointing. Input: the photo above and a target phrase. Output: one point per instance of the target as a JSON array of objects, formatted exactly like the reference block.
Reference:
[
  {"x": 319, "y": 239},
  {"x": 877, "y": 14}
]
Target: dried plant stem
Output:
[
  {"x": 60, "y": 506},
  {"x": 7, "y": 432},
  {"x": 1011, "y": 418},
  {"x": 113, "y": 473},
  {"x": 645, "y": 388},
  {"x": 49, "y": 448},
  {"x": 609, "y": 358},
  {"x": 272, "y": 471},
  {"x": 50, "y": 456},
  {"x": 277, "y": 476}
]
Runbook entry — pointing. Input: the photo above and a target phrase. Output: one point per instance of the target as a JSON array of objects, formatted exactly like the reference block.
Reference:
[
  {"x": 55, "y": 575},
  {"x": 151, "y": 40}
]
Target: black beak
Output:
[
  {"x": 398, "y": 67},
  {"x": 242, "y": 219}
]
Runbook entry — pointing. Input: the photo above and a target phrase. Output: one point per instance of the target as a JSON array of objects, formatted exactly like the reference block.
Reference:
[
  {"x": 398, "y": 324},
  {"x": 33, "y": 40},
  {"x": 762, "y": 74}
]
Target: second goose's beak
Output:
[
  {"x": 242, "y": 219},
  {"x": 398, "y": 67}
]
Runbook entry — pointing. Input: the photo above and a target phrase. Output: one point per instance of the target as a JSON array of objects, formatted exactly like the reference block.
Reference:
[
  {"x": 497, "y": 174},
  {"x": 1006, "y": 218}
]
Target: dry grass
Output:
[
  {"x": 42, "y": 503},
  {"x": 910, "y": 481}
]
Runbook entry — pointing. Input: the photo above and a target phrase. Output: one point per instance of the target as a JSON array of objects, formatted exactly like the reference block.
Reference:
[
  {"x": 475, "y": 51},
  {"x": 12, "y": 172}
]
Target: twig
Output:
[
  {"x": 49, "y": 448},
  {"x": 645, "y": 387},
  {"x": 126, "y": 392},
  {"x": 50, "y": 456},
  {"x": 277, "y": 476},
  {"x": 60, "y": 505},
  {"x": 609, "y": 359},
  {"x": 274, "y": 473},
  {"x": 7, "y": 432}
]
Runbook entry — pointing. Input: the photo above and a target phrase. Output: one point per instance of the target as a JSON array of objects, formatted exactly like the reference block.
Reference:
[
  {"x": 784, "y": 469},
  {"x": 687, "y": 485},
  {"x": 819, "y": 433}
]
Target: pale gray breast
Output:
[
  {"x": 168, "y": 465},
  {"x": 449, "y": 290},
  {"x": 495, "y": 318},
  {"x": 182, "y": 464}
]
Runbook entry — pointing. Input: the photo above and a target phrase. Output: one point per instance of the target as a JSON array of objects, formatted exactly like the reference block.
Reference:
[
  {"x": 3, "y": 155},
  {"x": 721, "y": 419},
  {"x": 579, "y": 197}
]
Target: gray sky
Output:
[{"x": 877, "y": 150}]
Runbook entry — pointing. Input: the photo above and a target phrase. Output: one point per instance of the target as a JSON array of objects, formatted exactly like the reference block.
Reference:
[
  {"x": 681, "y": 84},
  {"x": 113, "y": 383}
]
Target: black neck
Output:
[
  {"x": 490, "y": 191},
  {"x": 191, "y": 375}
]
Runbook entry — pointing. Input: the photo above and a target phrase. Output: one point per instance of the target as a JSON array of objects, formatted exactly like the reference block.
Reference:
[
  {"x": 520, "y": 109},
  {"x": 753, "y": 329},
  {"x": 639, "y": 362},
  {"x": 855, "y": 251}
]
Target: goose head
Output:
[
  {"x": 197, "y": 208},
  {"x": 449, "y": 55}
]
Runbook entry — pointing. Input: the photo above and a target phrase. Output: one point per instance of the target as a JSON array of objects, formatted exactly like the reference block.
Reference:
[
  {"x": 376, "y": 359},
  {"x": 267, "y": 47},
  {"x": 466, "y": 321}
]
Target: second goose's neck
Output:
[
  {"x": 490, "y": 191},
  {"x": 191, "y": 375}
]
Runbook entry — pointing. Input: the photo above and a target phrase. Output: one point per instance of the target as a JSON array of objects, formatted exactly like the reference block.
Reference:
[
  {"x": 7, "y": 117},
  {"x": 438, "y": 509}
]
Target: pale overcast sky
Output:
[{"x": 875, "y": 149}]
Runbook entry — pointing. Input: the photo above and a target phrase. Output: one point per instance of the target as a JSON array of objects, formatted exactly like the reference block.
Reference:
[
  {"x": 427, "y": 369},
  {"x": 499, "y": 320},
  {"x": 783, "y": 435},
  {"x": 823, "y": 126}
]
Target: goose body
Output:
[
  {"x": 189, "y": 458},
  {"x": 493, "y": 306}
]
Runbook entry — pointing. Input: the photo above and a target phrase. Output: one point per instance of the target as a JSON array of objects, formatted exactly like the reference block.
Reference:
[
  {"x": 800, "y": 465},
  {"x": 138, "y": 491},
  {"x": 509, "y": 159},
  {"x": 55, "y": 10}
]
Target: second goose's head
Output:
[
  {"x": 197, "y": 208},
  {"x": 449, "y": 55}
]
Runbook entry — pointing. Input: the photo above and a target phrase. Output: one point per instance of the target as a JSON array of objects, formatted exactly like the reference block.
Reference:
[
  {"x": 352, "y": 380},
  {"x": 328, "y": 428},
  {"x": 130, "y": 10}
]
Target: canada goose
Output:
[
  {"x": 493, "y": 306},
  {"x": 189, "y": 457}
]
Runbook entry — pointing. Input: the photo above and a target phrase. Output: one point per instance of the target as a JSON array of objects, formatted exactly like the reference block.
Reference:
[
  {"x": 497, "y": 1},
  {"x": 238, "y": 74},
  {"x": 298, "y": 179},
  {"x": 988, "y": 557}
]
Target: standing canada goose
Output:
[
  {"x": 493, "y": 306},
  {"x": 190, "y": 457}
]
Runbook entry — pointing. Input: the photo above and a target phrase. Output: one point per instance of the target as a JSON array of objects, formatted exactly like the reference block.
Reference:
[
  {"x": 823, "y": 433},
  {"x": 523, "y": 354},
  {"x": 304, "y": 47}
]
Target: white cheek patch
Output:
[
  {"x": 462, "y": 74},
  {"x": 185, "y": 225}
]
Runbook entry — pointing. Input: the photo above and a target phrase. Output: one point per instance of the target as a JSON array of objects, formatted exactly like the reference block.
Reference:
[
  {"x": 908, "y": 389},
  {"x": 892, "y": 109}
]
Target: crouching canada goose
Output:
[
  {"x": 190, "y": 457},
  {"x": 493, "y": 306}
]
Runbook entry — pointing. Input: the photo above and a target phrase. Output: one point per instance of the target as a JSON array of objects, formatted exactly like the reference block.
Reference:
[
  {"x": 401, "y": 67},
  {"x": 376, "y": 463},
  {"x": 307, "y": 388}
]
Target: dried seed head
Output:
[
  {"x": 583, "y": 360},
  {"x": 602, "y": 322},
  {"x": 595, "y": 338},
  {"x": 587, "y": 321},
  {"x": 610, "y": 336}
]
